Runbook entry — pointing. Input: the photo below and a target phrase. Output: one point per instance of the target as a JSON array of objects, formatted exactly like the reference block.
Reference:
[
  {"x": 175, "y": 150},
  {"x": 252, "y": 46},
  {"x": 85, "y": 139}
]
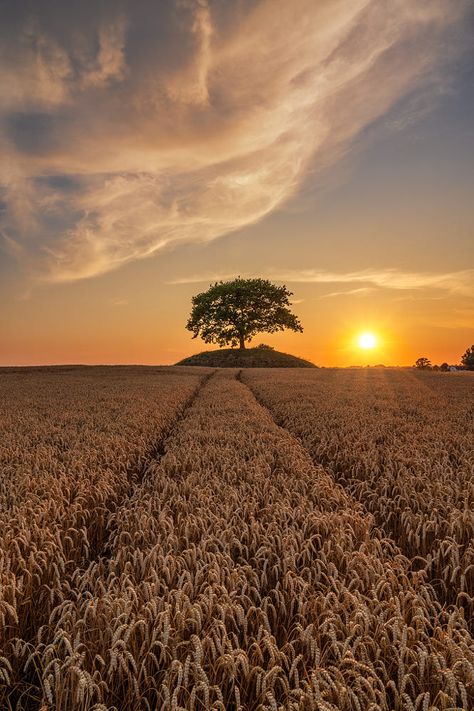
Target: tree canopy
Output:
[
  {"x": 468, "y": 358},
  {"x": 233, "y": 312},
  {"x": 423, "y": 363}
]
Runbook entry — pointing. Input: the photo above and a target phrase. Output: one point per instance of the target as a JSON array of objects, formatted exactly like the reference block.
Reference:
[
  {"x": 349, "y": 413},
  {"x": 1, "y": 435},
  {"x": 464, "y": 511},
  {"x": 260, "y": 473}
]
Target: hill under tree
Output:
[{"x": 246, "y": 358}]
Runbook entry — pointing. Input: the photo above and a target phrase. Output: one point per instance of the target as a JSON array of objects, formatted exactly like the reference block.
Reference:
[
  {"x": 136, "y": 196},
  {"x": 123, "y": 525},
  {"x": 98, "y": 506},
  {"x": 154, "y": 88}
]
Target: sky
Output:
[{"x": 148, "y": 149}]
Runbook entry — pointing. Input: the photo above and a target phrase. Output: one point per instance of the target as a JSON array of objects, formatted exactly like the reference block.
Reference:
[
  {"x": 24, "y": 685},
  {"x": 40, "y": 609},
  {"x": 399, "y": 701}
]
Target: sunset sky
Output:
[{"x": 150, "y": 148}]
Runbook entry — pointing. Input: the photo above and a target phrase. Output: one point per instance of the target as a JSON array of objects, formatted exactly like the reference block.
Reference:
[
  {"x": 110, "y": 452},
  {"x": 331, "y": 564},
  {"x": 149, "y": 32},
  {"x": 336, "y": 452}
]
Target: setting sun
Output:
[{"x": 367, "y": 340}]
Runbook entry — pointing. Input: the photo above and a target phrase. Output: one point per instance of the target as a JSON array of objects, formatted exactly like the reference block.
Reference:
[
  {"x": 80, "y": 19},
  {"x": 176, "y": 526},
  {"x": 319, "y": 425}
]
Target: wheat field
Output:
[{"x": 188, "y": 538}]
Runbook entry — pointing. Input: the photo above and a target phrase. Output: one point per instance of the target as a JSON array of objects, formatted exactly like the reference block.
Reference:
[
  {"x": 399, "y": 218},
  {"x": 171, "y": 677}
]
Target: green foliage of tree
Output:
[
  {"x": 423, "y": 364},
  {"x": 233, "y": 312},
  {"x": 468, "y": 358}
]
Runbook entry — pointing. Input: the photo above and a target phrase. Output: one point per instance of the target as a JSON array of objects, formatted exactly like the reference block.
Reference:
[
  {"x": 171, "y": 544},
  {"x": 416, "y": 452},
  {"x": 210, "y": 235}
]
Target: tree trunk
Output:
[{"x": 242, "y": 341}]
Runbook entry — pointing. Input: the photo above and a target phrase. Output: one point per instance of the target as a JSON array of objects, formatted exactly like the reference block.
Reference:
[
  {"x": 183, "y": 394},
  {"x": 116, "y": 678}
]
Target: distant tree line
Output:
[{"x": 467, "y": 362}]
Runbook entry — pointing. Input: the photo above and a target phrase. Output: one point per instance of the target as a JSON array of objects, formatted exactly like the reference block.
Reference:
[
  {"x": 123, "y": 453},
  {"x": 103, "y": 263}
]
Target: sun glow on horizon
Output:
[{"x": 367, "y": 340}]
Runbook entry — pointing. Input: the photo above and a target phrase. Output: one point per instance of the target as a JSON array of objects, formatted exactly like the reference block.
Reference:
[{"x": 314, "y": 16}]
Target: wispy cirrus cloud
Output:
[
  {"x": 360, "y": 291},
  {"x": 455, "y": 282},
  {"x": 128, "y": 129}
]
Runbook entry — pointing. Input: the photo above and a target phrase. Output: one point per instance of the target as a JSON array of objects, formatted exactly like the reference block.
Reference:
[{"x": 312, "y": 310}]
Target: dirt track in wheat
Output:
[{"x": 167, "y": 545}]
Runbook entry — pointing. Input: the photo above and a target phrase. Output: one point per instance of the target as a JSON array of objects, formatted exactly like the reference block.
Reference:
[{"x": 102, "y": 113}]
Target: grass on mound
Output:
[{"x": 248, "y": 358}]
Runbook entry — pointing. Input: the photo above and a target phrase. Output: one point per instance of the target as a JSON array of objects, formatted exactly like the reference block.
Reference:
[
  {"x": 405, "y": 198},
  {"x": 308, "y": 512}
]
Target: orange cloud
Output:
[
  {"x": 457, "y": 282},
  {"x": 114, "y": 151}
]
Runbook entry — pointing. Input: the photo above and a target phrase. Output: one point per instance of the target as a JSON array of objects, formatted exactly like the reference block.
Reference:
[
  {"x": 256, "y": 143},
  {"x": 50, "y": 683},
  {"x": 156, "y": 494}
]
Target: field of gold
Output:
[
  {"x": 166, "y": 545},
  {"x": 401, "y": 443}
]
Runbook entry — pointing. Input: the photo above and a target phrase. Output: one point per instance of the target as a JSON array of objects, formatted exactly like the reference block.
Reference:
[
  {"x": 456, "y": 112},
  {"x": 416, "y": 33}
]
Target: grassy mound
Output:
[{"x": 248, "y": 358}]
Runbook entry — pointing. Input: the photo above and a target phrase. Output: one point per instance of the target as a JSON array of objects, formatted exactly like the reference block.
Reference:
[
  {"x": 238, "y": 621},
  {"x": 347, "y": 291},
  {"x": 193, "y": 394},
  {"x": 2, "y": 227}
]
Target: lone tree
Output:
[
  {"x": 233, "y": 312},
  {"x": 423, "y": 364},
  {"x": 468, "y": 358}
]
